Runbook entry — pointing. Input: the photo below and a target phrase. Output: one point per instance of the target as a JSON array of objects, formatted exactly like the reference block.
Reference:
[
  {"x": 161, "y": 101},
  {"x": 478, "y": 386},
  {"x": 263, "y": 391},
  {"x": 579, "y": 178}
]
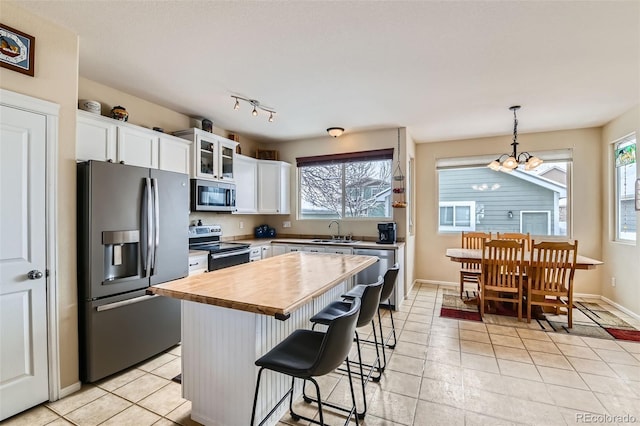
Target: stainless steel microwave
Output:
[{"x": 208, "y": 196}]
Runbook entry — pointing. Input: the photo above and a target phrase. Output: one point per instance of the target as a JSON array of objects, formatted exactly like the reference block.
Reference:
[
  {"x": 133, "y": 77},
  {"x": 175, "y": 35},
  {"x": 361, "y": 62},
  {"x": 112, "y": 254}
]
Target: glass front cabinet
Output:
[{"x": 212, "y": 156}]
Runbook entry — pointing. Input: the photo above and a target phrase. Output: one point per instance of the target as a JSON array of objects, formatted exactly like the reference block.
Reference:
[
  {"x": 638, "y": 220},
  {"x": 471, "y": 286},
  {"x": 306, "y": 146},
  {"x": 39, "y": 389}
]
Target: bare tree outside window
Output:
[{"x": 354, "y": 189}]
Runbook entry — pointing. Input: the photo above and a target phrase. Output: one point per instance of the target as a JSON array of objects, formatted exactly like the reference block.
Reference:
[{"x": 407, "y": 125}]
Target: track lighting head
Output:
[{"x": 256, "y": 106}]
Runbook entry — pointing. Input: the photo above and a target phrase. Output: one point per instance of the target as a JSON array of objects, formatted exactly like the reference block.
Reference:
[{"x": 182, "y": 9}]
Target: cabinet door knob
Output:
[{"x": 34, "y": 275}]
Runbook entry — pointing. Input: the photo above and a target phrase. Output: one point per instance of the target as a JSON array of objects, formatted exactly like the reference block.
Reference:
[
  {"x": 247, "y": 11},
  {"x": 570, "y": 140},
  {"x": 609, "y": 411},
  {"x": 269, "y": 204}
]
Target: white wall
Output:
[{"x": 622, "y": 260}]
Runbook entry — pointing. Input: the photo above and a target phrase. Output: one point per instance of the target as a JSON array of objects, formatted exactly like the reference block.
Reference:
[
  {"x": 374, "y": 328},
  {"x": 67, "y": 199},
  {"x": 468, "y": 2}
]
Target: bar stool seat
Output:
[{"x": 306, "y": 354}]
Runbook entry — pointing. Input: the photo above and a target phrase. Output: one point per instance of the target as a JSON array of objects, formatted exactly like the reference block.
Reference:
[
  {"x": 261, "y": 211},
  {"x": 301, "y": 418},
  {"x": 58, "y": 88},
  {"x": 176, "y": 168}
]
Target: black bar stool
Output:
[
  {"x": 306, "y": 354},
  {"x": 390, "y": 278},
  {"x": 370, "y": 300}
]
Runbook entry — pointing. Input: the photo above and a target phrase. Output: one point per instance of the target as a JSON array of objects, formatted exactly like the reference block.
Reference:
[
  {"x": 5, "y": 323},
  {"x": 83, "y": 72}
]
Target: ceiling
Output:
[{"x": 444, "y": 69}]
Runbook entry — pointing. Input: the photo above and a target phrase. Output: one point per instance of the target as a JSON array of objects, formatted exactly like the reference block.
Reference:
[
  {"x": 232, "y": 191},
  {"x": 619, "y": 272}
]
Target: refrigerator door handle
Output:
[
  {"x": 115, "y": 305},
  {"x": 156, "y": 223},
  {"x": 146, "y": 226}
]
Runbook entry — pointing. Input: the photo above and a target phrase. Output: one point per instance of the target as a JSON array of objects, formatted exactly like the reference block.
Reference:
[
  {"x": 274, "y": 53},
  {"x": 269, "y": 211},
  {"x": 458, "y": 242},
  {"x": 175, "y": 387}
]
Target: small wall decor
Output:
[{"x": 17, "y": 50}]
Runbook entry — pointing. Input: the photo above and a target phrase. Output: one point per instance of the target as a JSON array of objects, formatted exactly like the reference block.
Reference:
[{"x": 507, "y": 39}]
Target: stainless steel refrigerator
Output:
[{"x": 132, "y": 233}]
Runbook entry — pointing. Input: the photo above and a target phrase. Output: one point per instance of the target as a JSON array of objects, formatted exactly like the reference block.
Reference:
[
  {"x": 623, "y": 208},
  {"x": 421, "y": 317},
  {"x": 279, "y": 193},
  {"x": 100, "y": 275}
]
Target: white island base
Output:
[{"x": 219, "y": 350}]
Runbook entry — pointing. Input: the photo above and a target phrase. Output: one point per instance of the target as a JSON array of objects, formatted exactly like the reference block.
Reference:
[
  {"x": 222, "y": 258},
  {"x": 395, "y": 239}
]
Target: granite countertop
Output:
[
  {"x": 309, "y": 241},
  {"x": 275, "y": 286}
]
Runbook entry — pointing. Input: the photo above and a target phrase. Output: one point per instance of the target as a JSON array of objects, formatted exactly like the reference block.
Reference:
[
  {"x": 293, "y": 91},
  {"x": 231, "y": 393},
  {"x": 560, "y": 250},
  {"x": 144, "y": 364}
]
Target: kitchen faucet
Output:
[{"x": 337, "y": 223}]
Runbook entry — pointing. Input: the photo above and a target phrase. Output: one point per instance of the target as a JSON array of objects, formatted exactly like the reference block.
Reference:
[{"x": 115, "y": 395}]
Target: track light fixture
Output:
[
  {"x": 335, "y": 131},
  {"x": 514, "y": 159},
  {"x": 256, "y": 106}
]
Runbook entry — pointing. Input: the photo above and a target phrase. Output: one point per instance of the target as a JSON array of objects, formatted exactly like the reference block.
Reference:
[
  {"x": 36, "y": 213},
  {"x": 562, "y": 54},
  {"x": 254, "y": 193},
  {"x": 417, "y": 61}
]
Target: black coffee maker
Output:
[{"x": 387, "y": 233}]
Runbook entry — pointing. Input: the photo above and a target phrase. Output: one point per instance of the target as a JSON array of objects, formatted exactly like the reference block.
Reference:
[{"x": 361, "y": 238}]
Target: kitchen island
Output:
[{"x": 232, "y": 316}]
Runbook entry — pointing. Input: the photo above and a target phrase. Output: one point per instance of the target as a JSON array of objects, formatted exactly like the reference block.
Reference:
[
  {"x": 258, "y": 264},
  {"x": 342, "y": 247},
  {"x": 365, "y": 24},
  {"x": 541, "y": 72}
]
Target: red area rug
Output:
[{"x": 633, "y": 335}]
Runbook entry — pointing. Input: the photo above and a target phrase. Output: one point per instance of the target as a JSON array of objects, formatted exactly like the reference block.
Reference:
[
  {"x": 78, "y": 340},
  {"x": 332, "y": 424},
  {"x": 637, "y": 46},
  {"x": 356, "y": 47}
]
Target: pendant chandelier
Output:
[{"x": 514, "y": 159}]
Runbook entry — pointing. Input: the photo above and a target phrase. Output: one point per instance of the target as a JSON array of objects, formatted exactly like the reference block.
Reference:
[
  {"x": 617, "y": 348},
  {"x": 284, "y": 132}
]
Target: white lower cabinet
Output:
[
  {"x": 278, "y": 249},
  {"x": 338, "y": 250},
  {"x": 198, "y": 262},
  {"x": 255, "y": 253},
  {"x": 267, "y": 251}
]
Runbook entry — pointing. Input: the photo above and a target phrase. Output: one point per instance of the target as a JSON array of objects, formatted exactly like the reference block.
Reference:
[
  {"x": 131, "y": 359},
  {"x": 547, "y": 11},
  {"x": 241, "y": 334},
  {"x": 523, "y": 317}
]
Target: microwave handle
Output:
[{"x": 227, "y": 200}]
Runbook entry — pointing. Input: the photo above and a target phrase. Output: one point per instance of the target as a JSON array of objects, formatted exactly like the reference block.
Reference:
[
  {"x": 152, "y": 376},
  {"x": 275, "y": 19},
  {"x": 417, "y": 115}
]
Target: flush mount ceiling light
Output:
[
  {"x": 514, "y": 159},
  {"x": 335, "y": 131},
  {"x": 256, "y": 106}
]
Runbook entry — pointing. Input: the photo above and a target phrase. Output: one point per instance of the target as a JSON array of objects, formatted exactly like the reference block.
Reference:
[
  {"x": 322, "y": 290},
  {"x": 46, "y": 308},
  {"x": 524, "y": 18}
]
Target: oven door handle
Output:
[{"x": 229, "y": 254}]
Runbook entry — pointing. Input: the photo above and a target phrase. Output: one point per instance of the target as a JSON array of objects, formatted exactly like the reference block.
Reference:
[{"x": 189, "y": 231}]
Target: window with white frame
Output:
[
  {"x": 473, "y": 197},
  {"x": 349, "y": 185},
  {"x": 625, "y": 164}
]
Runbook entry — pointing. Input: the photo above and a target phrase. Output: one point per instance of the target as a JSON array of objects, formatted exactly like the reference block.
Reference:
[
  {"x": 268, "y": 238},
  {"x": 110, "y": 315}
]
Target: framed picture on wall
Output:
[
  {"x": 17, "y": 50},
  {"x": 638, "y": 194}
]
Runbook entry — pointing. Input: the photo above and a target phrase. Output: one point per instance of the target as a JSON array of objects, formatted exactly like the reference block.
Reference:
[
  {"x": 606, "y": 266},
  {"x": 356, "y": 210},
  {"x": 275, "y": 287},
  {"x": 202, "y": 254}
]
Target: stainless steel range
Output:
[{"x": 221, "y": 254}]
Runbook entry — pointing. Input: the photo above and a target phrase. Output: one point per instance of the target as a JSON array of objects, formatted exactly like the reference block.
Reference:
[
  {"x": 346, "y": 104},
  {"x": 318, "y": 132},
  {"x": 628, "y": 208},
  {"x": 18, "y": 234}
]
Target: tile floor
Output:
[{"x": 443, "y": 372}]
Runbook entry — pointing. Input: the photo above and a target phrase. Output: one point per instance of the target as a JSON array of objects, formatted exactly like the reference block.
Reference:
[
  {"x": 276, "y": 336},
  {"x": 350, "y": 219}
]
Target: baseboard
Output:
[
  {"x": 69, "y": 389},
  {"x": 622, "y": 308},
  {"x": 434, "y": 282}
]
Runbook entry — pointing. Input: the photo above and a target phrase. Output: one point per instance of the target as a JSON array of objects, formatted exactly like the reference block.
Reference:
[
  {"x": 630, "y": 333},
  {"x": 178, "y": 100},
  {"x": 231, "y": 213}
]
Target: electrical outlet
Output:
[
  {"x": 613, "y": 281},
  {"x": 286, "y": 224},
  {"x": 241, "y": 224}
]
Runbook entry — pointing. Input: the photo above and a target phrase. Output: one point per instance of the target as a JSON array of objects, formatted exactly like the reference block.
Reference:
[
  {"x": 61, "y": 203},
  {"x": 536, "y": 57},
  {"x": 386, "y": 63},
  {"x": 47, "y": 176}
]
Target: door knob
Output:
[{"x": 34, "y": 275}]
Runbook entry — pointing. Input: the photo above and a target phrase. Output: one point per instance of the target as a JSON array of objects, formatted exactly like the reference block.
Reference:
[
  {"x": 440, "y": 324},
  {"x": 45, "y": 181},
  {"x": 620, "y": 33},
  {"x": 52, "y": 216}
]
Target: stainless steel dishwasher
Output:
[{"x": 370, "y": 275}]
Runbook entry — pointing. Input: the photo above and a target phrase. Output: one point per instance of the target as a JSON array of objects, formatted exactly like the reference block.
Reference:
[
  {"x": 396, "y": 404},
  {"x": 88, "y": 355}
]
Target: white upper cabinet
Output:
[
  {"x": 212, "y": 156},
  {"x": 137, "y": 147},
  {"x": 273, "y": 187},
  {"x": 95, "y": 138},
  {"x": 105, "y": 139},
  {"x": 246, "y": 177}
]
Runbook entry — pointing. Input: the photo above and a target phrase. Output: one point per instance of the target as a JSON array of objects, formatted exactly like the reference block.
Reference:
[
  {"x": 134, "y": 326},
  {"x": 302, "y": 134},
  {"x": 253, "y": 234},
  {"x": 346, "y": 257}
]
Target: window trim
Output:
[{"x": 617, "y": 233}]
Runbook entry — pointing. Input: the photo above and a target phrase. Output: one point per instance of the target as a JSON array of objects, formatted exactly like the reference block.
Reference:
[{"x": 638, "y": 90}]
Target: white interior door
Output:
[{"x": 23, "y": 307}]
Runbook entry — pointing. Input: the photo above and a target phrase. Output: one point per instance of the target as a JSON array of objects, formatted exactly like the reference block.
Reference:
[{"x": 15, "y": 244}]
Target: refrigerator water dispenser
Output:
[{"x": 120, "y": 254}]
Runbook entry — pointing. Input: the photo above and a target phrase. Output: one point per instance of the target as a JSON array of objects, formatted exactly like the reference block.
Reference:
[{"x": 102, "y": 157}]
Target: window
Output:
[
  {"x": 456, "y": 216},
  {"x": 351, "y": 185},
  {"x": 625, "y": 177},
  {"x": 474, "y": 197}
]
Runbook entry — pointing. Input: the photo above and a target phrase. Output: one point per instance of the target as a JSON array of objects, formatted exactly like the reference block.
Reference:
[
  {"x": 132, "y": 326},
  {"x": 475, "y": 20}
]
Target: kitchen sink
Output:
[{"x": 336, "y": 241}]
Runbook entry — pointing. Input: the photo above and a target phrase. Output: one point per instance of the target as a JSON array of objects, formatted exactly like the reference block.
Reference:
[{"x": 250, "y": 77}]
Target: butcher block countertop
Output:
[{"x": 274, "y": 286}]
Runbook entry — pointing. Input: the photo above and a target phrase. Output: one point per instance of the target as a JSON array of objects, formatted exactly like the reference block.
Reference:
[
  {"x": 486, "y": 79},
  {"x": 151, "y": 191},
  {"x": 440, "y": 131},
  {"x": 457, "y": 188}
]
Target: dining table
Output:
[{"x": 463, "y": 255}]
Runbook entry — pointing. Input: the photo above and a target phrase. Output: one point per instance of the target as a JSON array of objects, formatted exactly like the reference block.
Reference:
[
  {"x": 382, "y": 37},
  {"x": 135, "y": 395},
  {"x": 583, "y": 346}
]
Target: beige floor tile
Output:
[
  {"x": 474, "y": 336},
  {"x": 98, "y": 410},
  {"x": 444, "y": 356},
  {"x": 411, "y": 349},
  {"x": 428, "y": 311},
  {"x": 599, "y": 368},
  {"x": 490, "y": 404},
  {"x": 141, "y": 387},
  {"x": 182, "y": 415},
  {"x": 341, "y": 393},
  {"x": 405, "y": 364},
  {"x": 156, "y": 362},
  {"x": 445, "y": 331},
  {"x": 512, "y": 354},
  {"x": 633, "y": 347},
  {"x": 626, "y": 372},
  {"x": 475, "y": 419},
  {"x": 424, "y": 319},
  {"x": 473, "y": 326},
  {"x": 176, "y": 350},
  {"x": 536, "y": 413},
  {"x": 602, "y": 344},
  {"x": 169, "y": 370},
  {"x": 541, "y": 346},
  {"x": 479, "y": 362},
  {"x": 550, "y": 360},
  {"x": 533, "y": 335},
  {"x": 133, "y": 416},
  {"x": 117, "y": 380},
  {"x": 391, "y": 406},
  {"x": 578, "y": 351},
  {"x": 167, "y": 422},
  {"x": 567, "y": 339},
  {"x": 37, "y": 416},
  {"x": 502, "y": 330},
  {"x": 74, "y": 401},
  {"x": 437, "y": 341},
  {"x": 164, "y": 400},
  {"x": 413, "y": 337},
  {"x": 476, "y": 348},
  {"x": 557, "y": 376},
  {"x": 432, "y": 414},
  {"x": 418, "y": 327},
  {"x": 577, "y": 399},
  {"x": 401, "y": 383},
  {"x": 443, "y": 372},
  {"x": 617, "y": 357},
  {"x": 504, "y": 385},
  {"x": 609, "y": 385},
  {"x": 441, "y": 392},
  {"x": 519, "y": 369},
  {"x": 619, "y": 405},
  {"x": 60, "y": 422},
  {"x": 509, "y": 341}
]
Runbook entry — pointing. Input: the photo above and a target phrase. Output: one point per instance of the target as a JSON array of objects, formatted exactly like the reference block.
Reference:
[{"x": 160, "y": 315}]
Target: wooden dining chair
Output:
[
  {"x": 502, "y": 271},
  {"x": 469, "y": 271},
  {"x": 516, "y": 236},
  {"x": 551, "y": 271}
]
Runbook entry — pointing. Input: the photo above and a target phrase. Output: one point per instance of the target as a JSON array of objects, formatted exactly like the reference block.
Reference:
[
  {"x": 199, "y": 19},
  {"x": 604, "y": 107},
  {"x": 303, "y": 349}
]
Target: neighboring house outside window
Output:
[
  {"x": 519, "y": 201},
  {"x": 457, "y": 216},
  {"x": 625, "y": 158},
  {"x": 350, "y": 185}
]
